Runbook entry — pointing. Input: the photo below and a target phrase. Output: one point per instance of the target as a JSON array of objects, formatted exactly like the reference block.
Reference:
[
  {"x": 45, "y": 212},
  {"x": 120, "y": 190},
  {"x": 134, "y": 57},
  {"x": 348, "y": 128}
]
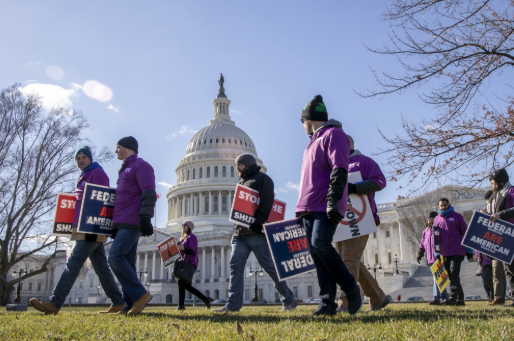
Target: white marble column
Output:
[
  {"x": 201, "y": 204},
  {"x": 203, "y": 264},
  {"x": 191, "y": 205},
  {"x": 219, "y": 202},
  {"x": 154, "y": 260},
  {"x": 229, "y": 202},
  {"x": 402, "y": 241},
  {"x": 394, "y": 245},
  {"x": 222, "y": 260},
  {"x": 169, "y": 272},
  {"x": 138, "y": 262},
  {"x": 177, "y": 207},
  {"x": 210, "y": 203},
  {"x": 146, "y": 267},
  {"x": 162, "y": 269},
  {"x": 213, "y": 273},
  {"x": 183, "y": 212}
]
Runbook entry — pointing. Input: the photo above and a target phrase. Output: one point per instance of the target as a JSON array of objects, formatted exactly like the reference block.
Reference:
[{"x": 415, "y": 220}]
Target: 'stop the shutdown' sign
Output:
[
  {"x": 493, "y": 239},
  {"x": 169, "y": 251},
  {"x": 246, "y": 202},
  {"x": 358, "y": 219},
  {"x": 64, "y": 214},
  {"x": 289, "y": 248},
  {"x": 96, "y": 211}
]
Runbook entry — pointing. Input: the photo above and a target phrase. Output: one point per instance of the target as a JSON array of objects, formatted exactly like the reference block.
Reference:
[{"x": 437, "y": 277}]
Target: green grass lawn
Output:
[{"x": 475, "y": 321}]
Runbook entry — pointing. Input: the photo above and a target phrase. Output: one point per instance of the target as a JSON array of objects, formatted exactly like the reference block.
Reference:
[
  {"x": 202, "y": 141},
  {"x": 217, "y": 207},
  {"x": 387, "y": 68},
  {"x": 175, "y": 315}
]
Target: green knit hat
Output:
[
  {"x": 315, "y": 110},
  {"x": 86, "y": 151}
]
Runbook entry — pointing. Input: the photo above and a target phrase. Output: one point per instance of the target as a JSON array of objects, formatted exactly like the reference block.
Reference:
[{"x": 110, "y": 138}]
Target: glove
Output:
[
  {"x": 469, "y": 256},
  {"x": 114, "y": 232},
  {"x": 90, "y": 237},
  {"x": 333, "y": 213},
  {"x": 145, "y": 223},
  {"x": 352, "y": 189},
  {"x": 256, "y": 228},
  {"x": 419, "y": 260}
]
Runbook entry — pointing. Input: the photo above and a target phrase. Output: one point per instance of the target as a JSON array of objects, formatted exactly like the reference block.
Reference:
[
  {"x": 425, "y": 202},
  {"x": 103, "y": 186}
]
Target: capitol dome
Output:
[{"x": 206, "y": 176}]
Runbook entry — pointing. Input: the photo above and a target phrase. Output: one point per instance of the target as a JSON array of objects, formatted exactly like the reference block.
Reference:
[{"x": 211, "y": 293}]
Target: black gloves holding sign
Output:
[
  {"x": 338, "y": 180},
  {"x": 256, "y": 228},
  {"x": 145, "y": 223},
  {"x": 148, "y": 199}
]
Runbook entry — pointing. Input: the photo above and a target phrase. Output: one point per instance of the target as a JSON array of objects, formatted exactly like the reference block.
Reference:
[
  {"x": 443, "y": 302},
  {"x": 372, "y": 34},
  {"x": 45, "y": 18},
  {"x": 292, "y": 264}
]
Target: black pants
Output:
[
  {"x": 509, "y": 271},
  {"x": 452, "y": 266},
  {"x": 487, "y": 278},
  {"x": 182, "y": 286}
]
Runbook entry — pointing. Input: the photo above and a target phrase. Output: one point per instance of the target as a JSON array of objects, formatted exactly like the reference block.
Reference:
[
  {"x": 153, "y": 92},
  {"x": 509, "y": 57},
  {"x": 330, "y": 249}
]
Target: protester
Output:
[
  {"x": 86, "y": 246},
  {"x": 427, "y": 246},
  {"x": 373, "y": 180},
  {"x": 452, "y": 228},
  {"x": 189, "y": 250},
  {"x": 252, "y": 239},
  {"x": 502, "y": 207},
  {"x": 485, "y": 268},
  {"x": 133, "y": 211},
  {"x": 322, "y": 203}
]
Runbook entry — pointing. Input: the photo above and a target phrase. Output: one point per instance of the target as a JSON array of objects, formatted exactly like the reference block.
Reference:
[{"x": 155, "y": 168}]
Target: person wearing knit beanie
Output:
[
  {"x": 86, "y": 151},
  {"x": 128, "y": 142},
  {"x": 500, "y": 176},
  {"x": 246, "y": 159},
  {"x": 315, "y": 110}
]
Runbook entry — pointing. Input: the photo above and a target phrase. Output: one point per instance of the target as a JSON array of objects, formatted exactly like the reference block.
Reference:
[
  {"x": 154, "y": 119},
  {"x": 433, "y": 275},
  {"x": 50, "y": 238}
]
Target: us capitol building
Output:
[{"x": 206, "y": 181}]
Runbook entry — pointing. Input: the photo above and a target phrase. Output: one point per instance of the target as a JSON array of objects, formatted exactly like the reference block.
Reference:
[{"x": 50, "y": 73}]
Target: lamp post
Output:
[
  {"x": 98, "y": 286},
  {"x": 255, "y": 273},
  {"x": 149, "y": 284},
  {"x": 375, "y": 269},
  {"x": 396, "y": 261},
  {"x": 199, "y": 276},
  {"x": 141, "y": 272},
  {"x": 18, "y": 290}
]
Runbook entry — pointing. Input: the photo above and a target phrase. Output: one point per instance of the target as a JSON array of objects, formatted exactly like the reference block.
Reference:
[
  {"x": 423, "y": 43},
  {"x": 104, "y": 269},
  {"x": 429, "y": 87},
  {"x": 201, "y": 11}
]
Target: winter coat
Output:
[
  {"x": 452, "y": 229},
  {"x": 373, "y": 180},
  {"x": 485, "y": 260},
  {"x": 135, "y": 177},
  {"x": 503, "y": 203},
  {"x": 427, "y": 244},
  {"x": 261, "y": 182},
  {"x": 190, "y": 255},
  {"x": 328, "y": 149}
]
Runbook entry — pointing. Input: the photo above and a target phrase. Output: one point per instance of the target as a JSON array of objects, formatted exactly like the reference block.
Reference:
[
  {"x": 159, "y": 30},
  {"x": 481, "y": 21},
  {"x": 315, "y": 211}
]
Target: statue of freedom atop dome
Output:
[{"x": 221, "y": 92}]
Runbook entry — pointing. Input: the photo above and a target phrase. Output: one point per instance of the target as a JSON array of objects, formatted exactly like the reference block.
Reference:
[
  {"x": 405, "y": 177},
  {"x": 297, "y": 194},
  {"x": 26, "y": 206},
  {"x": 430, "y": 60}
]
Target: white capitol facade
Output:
[{"x": 206, "y": 180}]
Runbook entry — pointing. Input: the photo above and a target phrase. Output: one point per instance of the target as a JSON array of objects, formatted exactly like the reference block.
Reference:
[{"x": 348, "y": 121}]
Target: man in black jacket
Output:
[{"x": 252, "y": 239}]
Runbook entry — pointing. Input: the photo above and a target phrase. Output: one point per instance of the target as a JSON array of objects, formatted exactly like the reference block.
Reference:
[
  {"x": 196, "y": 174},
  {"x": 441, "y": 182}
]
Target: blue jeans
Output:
[
  {"x": 81, "y": 251},
  {"x": 330, "y": 267},
  {"x": 122, "y": 259},
  {"x": 241, "y": 248},
  {"x": 437, "y": 294}
]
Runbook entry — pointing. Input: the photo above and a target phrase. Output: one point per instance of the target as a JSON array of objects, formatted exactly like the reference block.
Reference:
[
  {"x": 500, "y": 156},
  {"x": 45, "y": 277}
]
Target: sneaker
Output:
[
  {"x": 435, "y": 302},
  {"x": 113, "y": 309},
  {"x": 381, "y": 305},
  {"x": 290, "y": 307},
  {"x": 450, "y": 302},
  {"x": 323, "y": 311},
  {"x": 355, "y": 300},
  {"x": 497, "y": 301},
  {"x": 208, "y": 302},
  {"x": 140, "y": 304},
  {"x": 224, "y": 310},
  {"x": 181, "y": 307},
  {"x": 44, "y": 307},
  {"x": 460, "y": 303}
]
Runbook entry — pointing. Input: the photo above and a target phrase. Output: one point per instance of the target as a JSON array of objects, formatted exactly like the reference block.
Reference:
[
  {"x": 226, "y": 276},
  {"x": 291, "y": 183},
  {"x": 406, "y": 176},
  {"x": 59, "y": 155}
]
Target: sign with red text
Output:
[
  {"x": 440, "y": 274},
  {"x": 96, "y": 211},
  {"x": 64, "y": 214},
  {"x": 289, "y": 248},
  {"x": 246, "y": 202},
  {"x": 358, "y": 219},
  {"x": 169, "y": 251},
  {"x": 495, "y": 239}
]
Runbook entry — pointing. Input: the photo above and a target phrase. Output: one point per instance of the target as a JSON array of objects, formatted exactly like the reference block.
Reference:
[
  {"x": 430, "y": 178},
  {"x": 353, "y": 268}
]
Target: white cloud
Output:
[
  {"x": 31, "y": 81},
  {"x": 237, "y": 112},
  {"x": 164, "y": 184},
  {"x": 289, "y": 187},
  {"x": 113, "y": 108},
  {"x": 32, "y": 63},
  {"x": 51, "y": 95},
  {"x": 182, "y": 131}
]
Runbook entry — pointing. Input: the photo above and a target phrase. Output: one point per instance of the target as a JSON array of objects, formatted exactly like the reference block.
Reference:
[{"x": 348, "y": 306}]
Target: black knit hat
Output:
[
  {"x": 432, "y": 214},
  {"x": 315, "y": 110},
  {"x": 499, "y": 176},
  {"x": 128, "y": 142},
  {"x": 246, "y": 159},
  {"x": 86, "y": 151}
]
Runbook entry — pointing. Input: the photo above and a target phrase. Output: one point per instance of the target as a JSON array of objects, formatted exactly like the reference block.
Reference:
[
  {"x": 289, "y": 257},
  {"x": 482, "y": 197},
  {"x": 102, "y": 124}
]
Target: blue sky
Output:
[{"x": 161, "y": 61}]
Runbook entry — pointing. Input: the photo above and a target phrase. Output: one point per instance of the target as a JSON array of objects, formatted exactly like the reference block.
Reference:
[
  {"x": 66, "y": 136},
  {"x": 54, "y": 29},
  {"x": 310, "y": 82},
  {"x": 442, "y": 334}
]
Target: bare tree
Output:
[
  {"x": 36, "y": 161},
  {"x": 450, "y": 48}
]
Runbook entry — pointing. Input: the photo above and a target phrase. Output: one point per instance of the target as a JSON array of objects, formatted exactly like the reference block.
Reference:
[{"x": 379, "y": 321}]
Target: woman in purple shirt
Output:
[{"x": 189, "y": 251}]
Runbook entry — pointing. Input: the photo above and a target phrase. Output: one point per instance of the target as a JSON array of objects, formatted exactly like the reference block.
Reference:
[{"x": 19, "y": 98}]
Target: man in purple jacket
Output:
[
  {"x": 452, "y": 228},
  {"x": 373, "y": 180},
  {"x": 502, "y": 207},
  {"x": 427, "y": 246},
  {"x": 323, "y": 197},
  {"x": 86, "y": 245},
  {"x": 133, "y": 211}
]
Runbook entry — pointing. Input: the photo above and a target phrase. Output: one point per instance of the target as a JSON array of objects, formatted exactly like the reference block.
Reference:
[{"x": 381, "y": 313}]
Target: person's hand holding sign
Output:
[
  {"x": 494, "y": 217},
  {"x": 180, "y": 247},
  {"x": 256, "y": 228}
]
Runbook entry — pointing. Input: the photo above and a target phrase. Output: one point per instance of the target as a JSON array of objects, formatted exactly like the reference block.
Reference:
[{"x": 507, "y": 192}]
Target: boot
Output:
[
  {"x": 44, "y": 307},
  {"x": 497, "y": 301},
  {"x": 208, "y": 302},
  {"x": 113, "y": 309}
]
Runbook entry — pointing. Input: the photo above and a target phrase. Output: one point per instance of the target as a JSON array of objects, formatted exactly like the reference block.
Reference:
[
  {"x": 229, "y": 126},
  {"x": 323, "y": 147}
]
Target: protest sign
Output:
[
  {"x": 246, "y": 202},
  {"x": 440, "y": 274},
  {"x": 96, "y": 210},
  {"x": 289, "y": 248},
  {"x": 492, "y": 239},
  {"x": 358, "y": 219},
  {"x": 64, "y": 214},
  {"x": 169, "y": 251}
]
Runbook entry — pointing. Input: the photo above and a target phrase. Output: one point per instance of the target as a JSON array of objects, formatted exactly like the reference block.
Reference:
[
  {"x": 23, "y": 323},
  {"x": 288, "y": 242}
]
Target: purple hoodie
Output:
[
  {"x": 370, "y": 170},
  {"x": 451, "y": 232},
  {"x": 427, "y": 243},
  {"x": 191, "y": 243},
  {"x": 329, "y": 148},
  {"x": 135, "y": 176},
  {"x": 94, "y": 176},
  {"x": 485, "y": 260}
]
